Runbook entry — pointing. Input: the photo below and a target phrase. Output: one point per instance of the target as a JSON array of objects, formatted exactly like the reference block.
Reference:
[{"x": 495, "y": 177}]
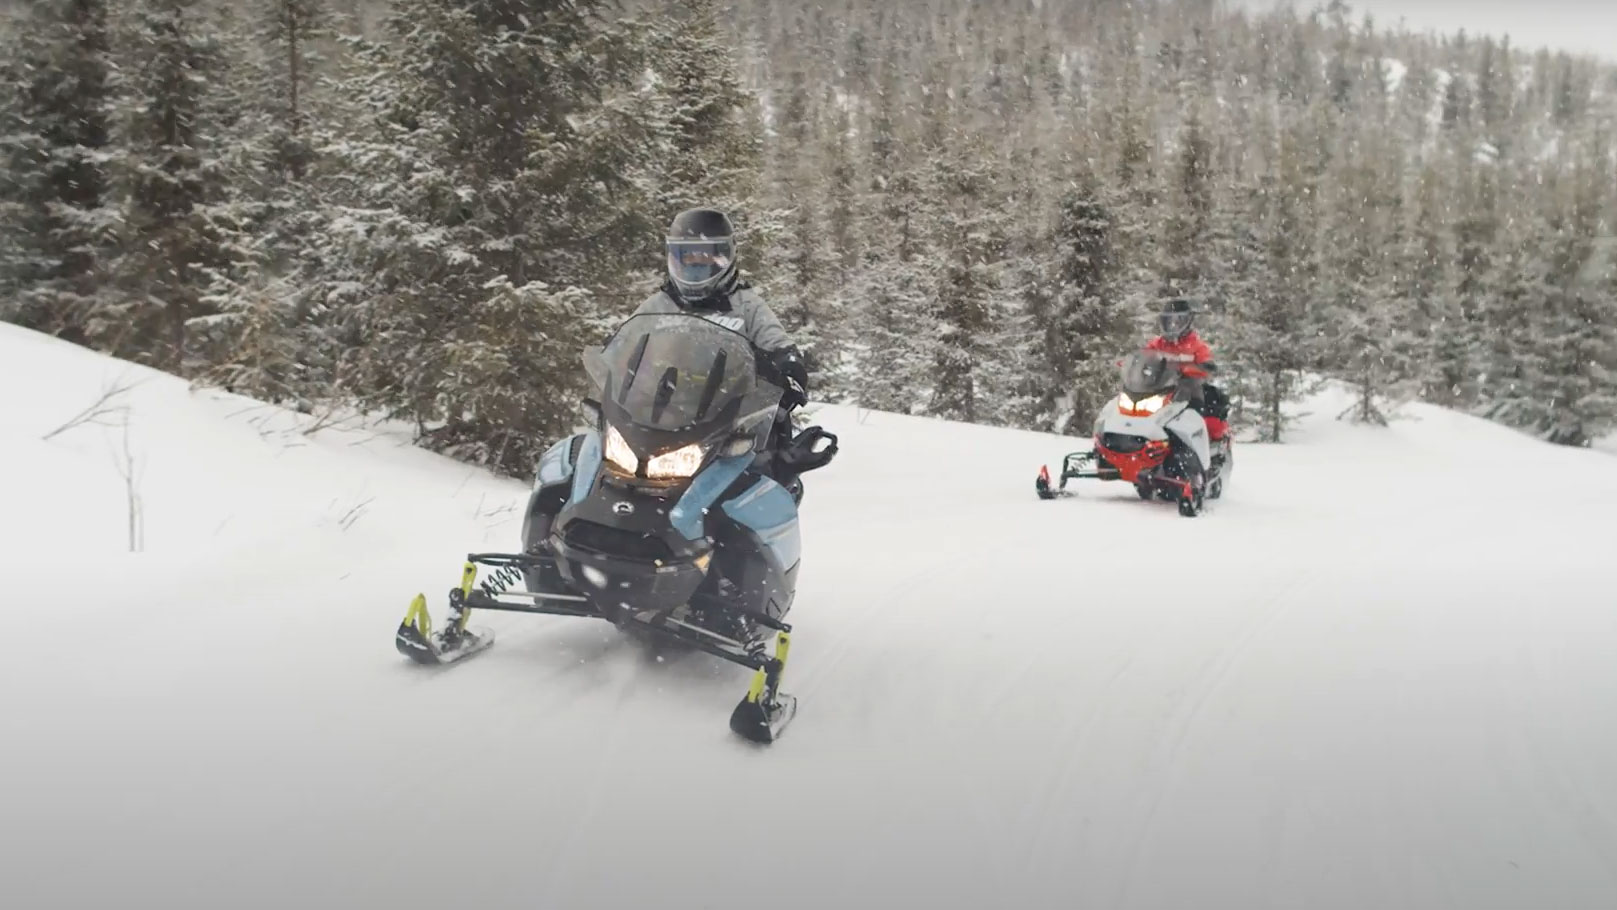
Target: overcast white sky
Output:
[{"x": 1587, "y": 26}]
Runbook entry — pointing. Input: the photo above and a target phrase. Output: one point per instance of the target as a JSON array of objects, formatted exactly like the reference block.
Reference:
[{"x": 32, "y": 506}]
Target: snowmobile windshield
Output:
[
  {"x": 699, "y": 263},
  {"x": 679, "y": 375},
  {"x": 1148, "y": 373}
]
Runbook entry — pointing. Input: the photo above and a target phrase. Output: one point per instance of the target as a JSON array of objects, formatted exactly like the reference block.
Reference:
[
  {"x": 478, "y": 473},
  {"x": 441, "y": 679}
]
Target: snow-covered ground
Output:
[{"x": 1378, "y": 674}]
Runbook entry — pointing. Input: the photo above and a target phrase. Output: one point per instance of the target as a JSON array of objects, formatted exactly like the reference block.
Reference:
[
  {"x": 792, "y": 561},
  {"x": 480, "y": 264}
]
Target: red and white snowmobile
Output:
[{"x": 1150, "y": 436}]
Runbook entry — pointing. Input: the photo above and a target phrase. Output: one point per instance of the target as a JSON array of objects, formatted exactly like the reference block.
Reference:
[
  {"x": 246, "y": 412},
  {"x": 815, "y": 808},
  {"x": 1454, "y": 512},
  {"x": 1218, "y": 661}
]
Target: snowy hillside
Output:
[{"x": 1378, "y": 674}]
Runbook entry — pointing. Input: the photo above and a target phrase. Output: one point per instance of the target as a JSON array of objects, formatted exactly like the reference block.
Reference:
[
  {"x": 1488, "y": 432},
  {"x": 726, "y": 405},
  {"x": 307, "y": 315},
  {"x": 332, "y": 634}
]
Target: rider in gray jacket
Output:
[{"x": 702, "y": 279}]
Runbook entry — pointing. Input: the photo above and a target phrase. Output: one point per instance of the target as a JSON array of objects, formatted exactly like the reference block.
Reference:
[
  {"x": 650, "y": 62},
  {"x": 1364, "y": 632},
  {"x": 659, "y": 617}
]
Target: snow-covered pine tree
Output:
[
  {"x": 1088, "y": 324},
  {"x": 896, "y": 341},
  {"x": 1475, "y": 228},
  {"x": 1133, "y": 208},
  {"x": 1361, "y": 290},
  {"x": 276, "y": 109},
  {"x": 1519, "y": 288},
  {"x": 712, "y": 128},
  {"x": 1187, "y": 246},
  {"x": 1571, "y": 346},
  {"x": 970, "y": 238},
  {"x": 291, "y": 35},
  {"x": 56, "y": 214},
  {"x": 1267, "y": 337},
  {"x": 498, "y": 211},
  {"x": 182, "y": 242},
  {"x": 795, "y": 265},
  {"x": 1432, "y": 313},
  {"x": 893, "y": 342}
]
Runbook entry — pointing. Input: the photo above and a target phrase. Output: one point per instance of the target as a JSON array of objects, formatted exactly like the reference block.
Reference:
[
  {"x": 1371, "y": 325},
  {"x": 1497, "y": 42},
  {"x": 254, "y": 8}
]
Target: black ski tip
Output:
[
  {"x": 760, "y": 723},
  {"x": 412, "y": 644}
]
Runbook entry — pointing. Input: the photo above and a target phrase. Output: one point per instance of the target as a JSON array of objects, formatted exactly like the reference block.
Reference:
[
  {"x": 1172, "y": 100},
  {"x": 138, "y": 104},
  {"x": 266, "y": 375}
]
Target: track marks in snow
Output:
[{"x": 1182, "y": 721}]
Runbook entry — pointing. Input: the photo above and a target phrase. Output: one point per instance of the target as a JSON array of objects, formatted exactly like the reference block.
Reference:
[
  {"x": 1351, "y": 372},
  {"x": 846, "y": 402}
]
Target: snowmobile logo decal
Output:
[
  {"x": 623, "y": 508},
  {"x": 733, "y": 323}
]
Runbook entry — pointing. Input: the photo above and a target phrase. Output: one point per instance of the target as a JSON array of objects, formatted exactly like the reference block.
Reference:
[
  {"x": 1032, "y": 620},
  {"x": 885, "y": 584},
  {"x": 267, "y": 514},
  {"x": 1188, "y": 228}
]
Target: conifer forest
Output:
[{"x": 424, "y": 210}]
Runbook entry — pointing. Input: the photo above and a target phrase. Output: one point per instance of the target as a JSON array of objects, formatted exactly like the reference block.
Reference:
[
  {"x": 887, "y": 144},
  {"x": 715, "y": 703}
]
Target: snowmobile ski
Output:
[
  {"x": 416, "y": 640},
  {"x": 763, "y": 714}
]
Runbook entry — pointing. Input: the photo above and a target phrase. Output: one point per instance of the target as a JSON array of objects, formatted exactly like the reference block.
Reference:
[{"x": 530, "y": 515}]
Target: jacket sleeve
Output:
[{"x": 763, "y": 328}]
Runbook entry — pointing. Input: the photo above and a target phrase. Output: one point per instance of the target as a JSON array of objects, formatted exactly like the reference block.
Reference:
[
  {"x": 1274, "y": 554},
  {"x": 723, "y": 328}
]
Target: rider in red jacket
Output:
[{"x": 1177, "y": 338}]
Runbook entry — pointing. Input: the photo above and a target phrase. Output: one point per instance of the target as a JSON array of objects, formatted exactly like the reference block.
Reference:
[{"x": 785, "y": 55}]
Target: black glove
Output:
[{"x": 791, "y": 374}]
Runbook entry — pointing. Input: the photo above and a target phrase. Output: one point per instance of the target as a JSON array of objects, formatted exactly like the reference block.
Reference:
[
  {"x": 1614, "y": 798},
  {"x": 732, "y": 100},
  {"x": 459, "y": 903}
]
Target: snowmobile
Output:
[
  {"x": 663, "y": 518},
  {"x": 1149, "y": 436}
]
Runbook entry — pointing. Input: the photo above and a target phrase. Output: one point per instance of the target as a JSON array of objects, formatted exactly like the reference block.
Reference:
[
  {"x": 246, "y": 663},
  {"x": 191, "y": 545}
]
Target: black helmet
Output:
[
  {"x": 1176, "y": 317},
  {"x": 701, "y": 253}
]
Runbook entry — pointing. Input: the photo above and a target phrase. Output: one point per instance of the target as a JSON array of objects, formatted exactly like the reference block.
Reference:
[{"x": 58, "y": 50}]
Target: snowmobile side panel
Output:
[
  {"x": 556, "y": 465},
  {"x": 1191, "y": 429},
  {"x": 552, "y": 487},
  {"x": 709, "y": 485},
  {"x": 769, "y": 511},
  {"x": 587, "y": 468}
]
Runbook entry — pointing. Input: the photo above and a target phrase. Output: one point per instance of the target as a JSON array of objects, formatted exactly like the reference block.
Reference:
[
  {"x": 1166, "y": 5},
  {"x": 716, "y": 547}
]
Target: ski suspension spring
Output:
[{"x": 501, "y": 580}]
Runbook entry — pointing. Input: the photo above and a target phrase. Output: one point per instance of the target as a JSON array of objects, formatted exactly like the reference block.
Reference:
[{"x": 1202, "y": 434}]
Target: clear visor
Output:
[
  {"x": 1175, "y": 325},
  {"x": 697, "y": 263}
]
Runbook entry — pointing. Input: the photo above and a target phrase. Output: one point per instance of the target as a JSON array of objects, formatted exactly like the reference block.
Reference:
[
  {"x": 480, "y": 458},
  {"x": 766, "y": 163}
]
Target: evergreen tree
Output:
[
  {"x": 290, "y": 32},
  {"x": 56, "y": 213},
  {"x": 1087, "y": 326},
  {"x": 277, "y": 113},
  {"x": 431, "y": 217},
  {"x": 1364, "y": 295},
  {"x": 973, "y": 238},
  {"x": 1188, "y": 264},
  {"x": 896, "y": 281},
  {"x": 714, "y": 142},
  {"x": 182, "y": 245},
  {"x": 520, "y": 135}
]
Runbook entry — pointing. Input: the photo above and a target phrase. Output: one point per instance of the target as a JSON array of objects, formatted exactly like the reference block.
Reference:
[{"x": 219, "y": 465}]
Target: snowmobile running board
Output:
[{"x": 760, "y": 717}]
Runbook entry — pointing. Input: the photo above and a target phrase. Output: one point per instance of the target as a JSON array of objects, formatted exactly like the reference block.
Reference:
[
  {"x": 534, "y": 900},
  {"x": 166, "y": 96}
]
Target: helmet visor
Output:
[
  {"x": 699, "y": 264},
  {"x": 1175, "y": 324}
]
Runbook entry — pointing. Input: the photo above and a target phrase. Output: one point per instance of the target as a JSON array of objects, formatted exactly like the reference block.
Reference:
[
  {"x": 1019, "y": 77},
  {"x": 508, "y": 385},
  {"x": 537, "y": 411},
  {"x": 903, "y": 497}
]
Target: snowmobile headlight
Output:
[
  {"x": 678, "y": 464},
  {"x": 1144, "y": 407},
  {"x": 619, "y": 453}
]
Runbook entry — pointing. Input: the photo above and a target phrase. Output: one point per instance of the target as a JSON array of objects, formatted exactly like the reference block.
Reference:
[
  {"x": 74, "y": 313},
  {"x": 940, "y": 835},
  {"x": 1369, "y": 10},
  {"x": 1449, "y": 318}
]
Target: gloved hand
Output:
[{"x": 793, "y": 374}]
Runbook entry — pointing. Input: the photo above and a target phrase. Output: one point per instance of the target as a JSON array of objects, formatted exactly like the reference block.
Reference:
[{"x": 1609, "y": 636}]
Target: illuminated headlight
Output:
[
  {"x": 1149, "y": 405},
  {"x": 679, "y": 463},
  {"x": 619, "y": 453}
]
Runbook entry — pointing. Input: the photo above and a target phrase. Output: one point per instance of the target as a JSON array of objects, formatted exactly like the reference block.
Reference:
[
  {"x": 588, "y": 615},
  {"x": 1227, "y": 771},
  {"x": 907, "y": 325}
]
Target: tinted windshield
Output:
[
  {"x": 1148, "y": 373},
  {"x": 679, "y": 372}
]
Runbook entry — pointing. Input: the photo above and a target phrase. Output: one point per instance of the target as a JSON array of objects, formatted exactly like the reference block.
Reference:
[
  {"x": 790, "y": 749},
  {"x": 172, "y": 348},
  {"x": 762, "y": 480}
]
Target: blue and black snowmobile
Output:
[{"x": 675, "y": 515}]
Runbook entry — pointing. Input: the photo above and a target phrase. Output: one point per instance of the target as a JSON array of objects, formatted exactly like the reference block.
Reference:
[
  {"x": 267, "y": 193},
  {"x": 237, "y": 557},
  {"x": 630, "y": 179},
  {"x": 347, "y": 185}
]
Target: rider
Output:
[
  {"x": 702, "y": 279},
  {"x": 1179, "y": 340}
]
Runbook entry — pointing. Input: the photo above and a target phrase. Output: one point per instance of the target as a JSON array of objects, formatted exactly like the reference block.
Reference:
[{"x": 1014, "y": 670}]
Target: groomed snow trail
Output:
[{"x": 1378, "y": 674}]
